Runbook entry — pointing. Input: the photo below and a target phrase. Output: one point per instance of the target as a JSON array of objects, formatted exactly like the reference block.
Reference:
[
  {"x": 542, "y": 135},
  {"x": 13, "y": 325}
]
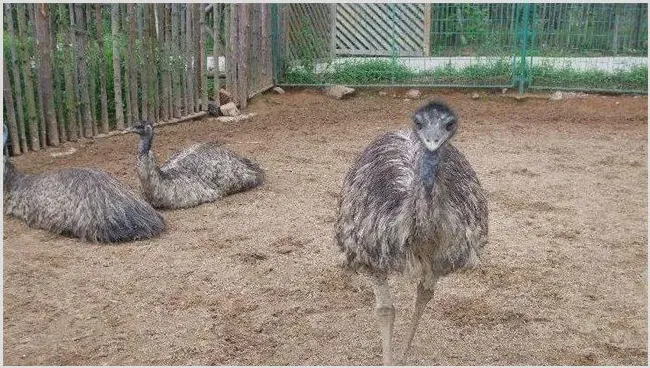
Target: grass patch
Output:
[
  {"x": 499, "y": 72},
  {"x": 549, "y": 75}
]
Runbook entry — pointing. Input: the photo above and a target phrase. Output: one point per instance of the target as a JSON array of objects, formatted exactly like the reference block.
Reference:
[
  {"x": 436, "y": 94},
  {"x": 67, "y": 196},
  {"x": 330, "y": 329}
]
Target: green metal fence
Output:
[{"x": 591, "y": 47}]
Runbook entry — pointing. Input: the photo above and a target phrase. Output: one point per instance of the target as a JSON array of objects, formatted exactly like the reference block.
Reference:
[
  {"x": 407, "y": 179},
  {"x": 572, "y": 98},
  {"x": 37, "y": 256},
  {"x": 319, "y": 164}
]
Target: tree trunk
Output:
[
  {"x": 101, "y": 65},
  {"x": 185, "y": 33},
  {"x": 42, "y": 24},
  {"x": 231, "y": 55},
  {"x": 133, "y": 80},
  {"x": 198, "y": 63},
  {"x": 16, "y": 78},
  {"x": 9, "y": 110},
  {"x": 32, "y": 118}
]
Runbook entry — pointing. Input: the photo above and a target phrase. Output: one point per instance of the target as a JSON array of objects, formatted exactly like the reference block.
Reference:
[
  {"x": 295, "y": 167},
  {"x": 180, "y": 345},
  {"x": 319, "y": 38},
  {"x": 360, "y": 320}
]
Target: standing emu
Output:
[
  {"x": 85, "y": 203},
  {"x": 411, "y": 204},
  {"x": 201, "y": 173}
]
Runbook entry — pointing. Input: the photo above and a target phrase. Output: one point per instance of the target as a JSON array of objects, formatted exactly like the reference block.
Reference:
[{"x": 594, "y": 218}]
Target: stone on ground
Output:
[
  {"x": 413, "y": 94},
  {"x": 278, "y": 90},
  {"x": 339, "y": 92}
]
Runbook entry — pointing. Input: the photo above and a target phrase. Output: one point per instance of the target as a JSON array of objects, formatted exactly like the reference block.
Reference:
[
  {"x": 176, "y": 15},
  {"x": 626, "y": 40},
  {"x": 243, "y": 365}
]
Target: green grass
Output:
[
  {"x": 548, "y": 75},
  {"x": 500, "y": 72}
]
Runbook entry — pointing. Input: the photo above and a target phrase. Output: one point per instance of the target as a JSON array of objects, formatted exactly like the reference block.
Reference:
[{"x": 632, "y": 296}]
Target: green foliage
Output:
[{"x": 548, "y": 75}]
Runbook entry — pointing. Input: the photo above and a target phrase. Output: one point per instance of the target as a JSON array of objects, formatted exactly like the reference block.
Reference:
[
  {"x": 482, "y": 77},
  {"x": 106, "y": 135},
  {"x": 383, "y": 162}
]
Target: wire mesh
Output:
[{"x": 562, "y": 46}]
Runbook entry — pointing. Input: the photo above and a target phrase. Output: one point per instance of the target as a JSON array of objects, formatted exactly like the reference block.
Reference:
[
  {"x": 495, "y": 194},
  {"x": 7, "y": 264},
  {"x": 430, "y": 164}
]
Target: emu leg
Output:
[
  {"x": 385, "y": 315},
  {"x": 425, "y": 291}
]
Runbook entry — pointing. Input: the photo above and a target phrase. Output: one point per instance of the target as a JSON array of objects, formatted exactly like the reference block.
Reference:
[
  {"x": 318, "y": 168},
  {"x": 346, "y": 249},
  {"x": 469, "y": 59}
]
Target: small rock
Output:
[
  {"x": 67, "y": 152},
  {"x": 413, "y": 93},
  {"x": 383, "y": 93},
  {"x": 556, "y": 96},
  {"x": 224, "y": 97},
  {"x": 229, "y": 109},
  {"x": 521, "y": 97},
  {"x": 617, "y": 102},
  {"x": 230, "y": 119},
  {"x": 407, "y": 99},
  {"x": 475, "y": 96},
  {"x": 503, "y": 91},
  {"x": 339, "y": 92},
  {"x": 278, "y": 90}
]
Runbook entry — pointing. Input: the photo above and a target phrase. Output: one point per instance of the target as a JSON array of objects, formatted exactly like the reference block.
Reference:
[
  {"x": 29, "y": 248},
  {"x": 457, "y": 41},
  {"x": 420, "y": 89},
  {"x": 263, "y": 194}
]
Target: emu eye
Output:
[{"x": 450, "y": 126}]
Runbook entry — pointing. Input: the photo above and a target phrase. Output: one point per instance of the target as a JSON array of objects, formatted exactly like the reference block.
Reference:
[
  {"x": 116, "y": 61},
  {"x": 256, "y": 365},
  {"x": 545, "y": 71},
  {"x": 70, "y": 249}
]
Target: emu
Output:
[
  {"x": 201, "y": 173},
  {"x": 84, "y": 203},
  {"x": 411, "y": 204}
]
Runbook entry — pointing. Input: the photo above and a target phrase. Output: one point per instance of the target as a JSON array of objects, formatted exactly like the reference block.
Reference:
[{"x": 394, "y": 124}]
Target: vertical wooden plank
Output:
[
  {"x": 216, "y": 28},
  {"x": 9, "y": 109},
  {"x": 231, "y": 56},
  {"x": 190, "y": 63},
  {"x": 92, "y": 67},
  {"x": 176, "y": 86},
  {"x": 242, "y": 53},
  {"x": 202, "y": 56},
  {"x": 69, "y": 68},
  {"x": 57, "y": 69},
  {"x": 131, "y": 63},
  {"x": 101, "y": 65},
  {"x": 82, "y": 67},
  {"x": 117, "y": 66},
  {"x": 34, "y": 141},
  {"x": 154, "y": 106},
  {"x": 42, "y": 25},
  {"x": 164, "y": 59},
  {"x": 198, "y": 63},
  {"x": 141, "y": 16},
  {"x": 42, "y": 128},
  {"x": 9, "y": 18},
  {"x": 426, "y": 28}
]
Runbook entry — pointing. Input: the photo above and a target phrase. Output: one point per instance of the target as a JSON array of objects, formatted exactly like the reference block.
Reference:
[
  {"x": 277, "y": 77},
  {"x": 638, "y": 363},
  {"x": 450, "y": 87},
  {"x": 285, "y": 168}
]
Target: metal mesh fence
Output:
[{"x": 559, "y": 46}]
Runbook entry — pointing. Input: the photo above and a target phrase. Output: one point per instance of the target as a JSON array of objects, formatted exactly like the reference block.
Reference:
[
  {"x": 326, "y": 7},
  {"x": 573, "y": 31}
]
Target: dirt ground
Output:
[{"x": 253, "y": 279}]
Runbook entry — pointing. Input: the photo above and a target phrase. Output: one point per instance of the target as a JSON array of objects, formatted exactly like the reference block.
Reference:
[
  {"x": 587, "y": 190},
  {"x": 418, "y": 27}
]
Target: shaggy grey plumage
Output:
[
  {"x": 201, "y": 173},
  {"x": 412, "y": 204},
  {"x": 85, "y": 203}
]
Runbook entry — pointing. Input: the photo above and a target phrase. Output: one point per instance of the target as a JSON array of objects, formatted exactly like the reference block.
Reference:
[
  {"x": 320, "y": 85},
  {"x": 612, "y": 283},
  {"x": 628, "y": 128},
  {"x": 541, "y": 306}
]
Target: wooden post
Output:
[
  {"x": 332, "y": 32},
  {"x": 42, "y": 24},
  {"x": 242, "y": 68},
  {"x": 216, "y": 26},
  {"x": 35, "y": 144},
  {"x": 133, "y": 74},
  {"x": 16, "y": 78},
  {"x": 117, "y": 68},
  {"x": 9, "y": 109},
  {"x": 204, "y": 67},
  {"x": 427, "y": 30},
  {"x": 176, "y": 87},
  {"x": 82, "y": 67}
]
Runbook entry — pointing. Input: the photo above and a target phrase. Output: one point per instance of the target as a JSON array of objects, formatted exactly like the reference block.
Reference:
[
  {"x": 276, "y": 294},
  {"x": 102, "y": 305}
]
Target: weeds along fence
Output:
[
  {"x": 590, "y": 47},
  {"x": 83, "y": 70}
]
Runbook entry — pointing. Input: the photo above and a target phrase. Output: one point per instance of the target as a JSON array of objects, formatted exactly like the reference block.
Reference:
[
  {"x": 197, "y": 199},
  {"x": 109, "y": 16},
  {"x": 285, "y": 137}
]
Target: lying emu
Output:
[
  {"x": 201, "y": 173},
  {"x": 412, "y": 204},
  {"x": 85, "y": 203}
]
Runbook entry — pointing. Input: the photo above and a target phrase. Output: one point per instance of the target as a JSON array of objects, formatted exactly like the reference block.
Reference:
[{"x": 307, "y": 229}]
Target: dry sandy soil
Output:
[{"x": 254, "y": 279}]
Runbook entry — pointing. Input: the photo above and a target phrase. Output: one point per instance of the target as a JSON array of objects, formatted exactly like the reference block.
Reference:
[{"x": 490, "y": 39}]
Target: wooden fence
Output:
[{"x": 83, "y": 70}]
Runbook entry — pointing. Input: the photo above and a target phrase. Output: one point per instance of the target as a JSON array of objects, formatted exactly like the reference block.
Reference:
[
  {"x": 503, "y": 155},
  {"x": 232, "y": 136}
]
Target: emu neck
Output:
[
  {"x": 144, "y": 146},
  {"x": 428, "y": 168}
]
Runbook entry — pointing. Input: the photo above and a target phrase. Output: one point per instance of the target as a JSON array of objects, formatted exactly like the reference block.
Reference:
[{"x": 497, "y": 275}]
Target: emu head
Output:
[
  {"x": 143, "y": 128},
  {"x": 435, "y": 123}
]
